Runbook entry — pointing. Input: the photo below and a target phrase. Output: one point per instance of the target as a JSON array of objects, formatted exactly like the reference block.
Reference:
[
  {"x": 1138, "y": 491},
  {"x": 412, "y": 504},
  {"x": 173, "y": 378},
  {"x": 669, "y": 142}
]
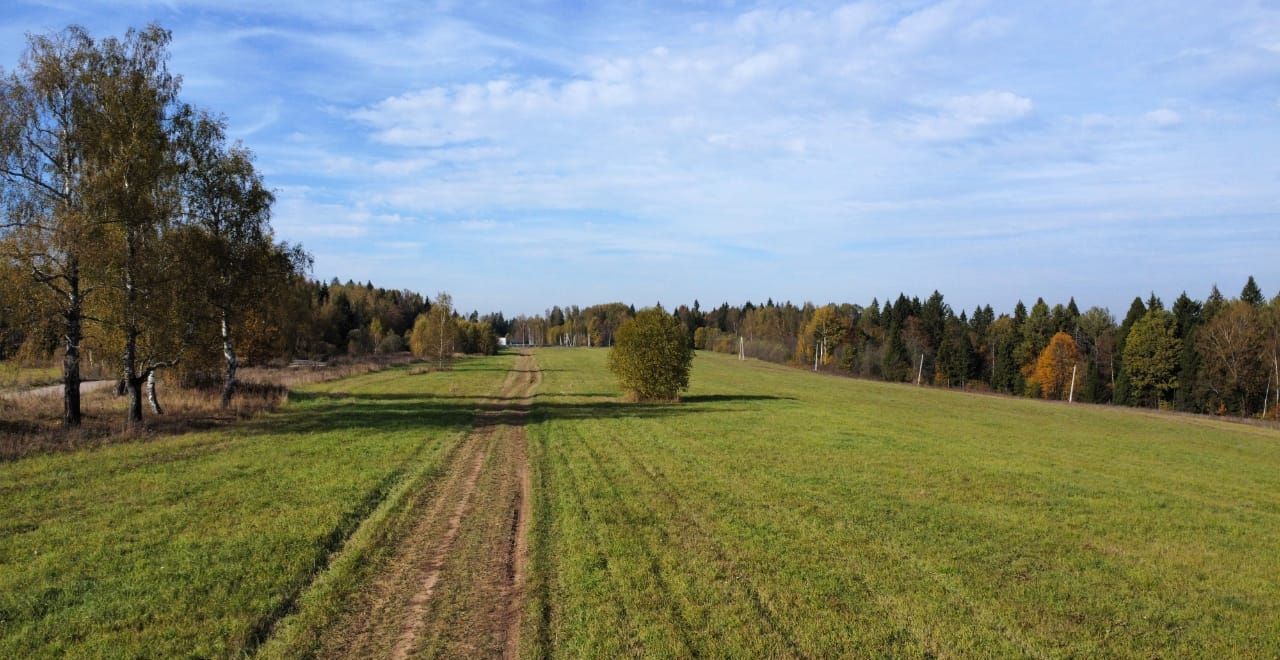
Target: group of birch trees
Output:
[{"x": 130, "y": 223}]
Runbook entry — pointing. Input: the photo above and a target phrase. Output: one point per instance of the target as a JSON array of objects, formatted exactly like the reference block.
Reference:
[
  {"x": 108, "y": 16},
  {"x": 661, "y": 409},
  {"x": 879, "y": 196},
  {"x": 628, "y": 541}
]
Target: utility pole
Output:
[
  {"x": 815, "y": 356},
  {"x": 920, "y": 369},
  {"x": 1071, "y": 396}
]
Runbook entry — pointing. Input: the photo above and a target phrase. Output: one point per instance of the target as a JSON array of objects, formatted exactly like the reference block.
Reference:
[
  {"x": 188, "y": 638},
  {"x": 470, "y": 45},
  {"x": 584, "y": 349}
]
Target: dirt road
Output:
[
  {"x": 453, "y": 588},
  {"x": 86, "y": 386}
]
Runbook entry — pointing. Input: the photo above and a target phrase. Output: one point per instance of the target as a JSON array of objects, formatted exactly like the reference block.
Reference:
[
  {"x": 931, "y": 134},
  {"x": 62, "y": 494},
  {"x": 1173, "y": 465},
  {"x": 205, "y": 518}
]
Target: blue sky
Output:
[{"x": 520, "y": 156}]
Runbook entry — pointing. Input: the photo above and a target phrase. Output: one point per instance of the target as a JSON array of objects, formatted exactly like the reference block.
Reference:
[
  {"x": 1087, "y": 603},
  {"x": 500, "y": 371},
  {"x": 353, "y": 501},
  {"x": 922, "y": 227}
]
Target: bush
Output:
[
  {"x": 651, "y": 356},
  {"x": 392, "y": 343}
]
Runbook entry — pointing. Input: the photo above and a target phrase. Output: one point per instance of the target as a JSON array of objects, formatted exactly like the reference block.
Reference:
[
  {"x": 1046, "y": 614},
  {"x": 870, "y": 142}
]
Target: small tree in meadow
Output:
[{"x": 651, "y": 356}]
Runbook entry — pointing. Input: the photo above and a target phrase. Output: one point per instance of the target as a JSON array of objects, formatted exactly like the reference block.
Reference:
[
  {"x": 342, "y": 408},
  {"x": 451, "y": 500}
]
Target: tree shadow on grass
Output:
[
  {"x": 463, "y": 367},
  {"x": 320, "y": 412},
  {"x": 411, "y": 396}
]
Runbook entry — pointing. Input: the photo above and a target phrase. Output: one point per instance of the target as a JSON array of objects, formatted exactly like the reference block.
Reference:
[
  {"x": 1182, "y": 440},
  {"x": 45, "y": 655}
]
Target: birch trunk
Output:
[
  {"x": 132, "y": 380},
  {"x": 151, "y": 393},
  {"x": 228, "y": 352}
]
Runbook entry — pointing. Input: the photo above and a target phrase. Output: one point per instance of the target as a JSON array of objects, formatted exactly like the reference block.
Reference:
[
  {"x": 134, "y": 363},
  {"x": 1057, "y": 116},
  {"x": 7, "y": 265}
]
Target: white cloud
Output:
[
  {"x": 478, "y": 225},
  {"x": 1162, "y": 118},
  {"x": 763, "y": 65},
  {"x": 773, "y": 131},
  {"x": 990, "y": 27},
  {"x": 961, "y": 116},
  {"x": 924, "y": 25},
  {"x": 853, "y": 19}
]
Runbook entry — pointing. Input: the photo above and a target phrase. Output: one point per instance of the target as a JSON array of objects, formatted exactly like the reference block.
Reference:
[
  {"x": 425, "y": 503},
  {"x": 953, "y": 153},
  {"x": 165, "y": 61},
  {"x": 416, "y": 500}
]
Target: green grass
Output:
[
  {"x": 776, "y": 512},
  {"x": 772, "y": 513},
  {"x": 13, "y": 376},
  {"x": 197, "y": 545}
]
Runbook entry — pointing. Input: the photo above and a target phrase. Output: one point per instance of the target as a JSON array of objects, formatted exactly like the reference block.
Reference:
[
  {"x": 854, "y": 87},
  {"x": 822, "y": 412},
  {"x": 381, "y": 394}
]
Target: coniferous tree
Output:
[
  {"x": 1187, "y": 318},
  {"x": 1151, "y": 354},
  {"x": 1136, "y": 311},
  {"x": 1036, "y": 332},
  {"x": 1213, "y": 304},
  {"x": 895, "y": 364},
  {"x": 1006, "y": 373},
  {"x": 1072, "y": 317},
  {"x": 1252, "y": 294}
]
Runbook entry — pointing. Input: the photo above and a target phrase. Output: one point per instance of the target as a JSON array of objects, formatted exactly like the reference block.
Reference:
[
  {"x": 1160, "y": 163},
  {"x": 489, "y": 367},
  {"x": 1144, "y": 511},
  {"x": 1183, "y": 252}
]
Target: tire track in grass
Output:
[
  {"x": 717, "y": 471},
  {"x": 417, "y": 607},
  {"x": 907, "y": 556},
  {"x": 665, "y": 490},
  {"x": 679, "y": 621},
  {"x": 622, "y": 616},
  {"x": 328, "y": 547},
  {"x": 544, "y": 563},
  {"x": 399, "y": 610},
  {"x": 518, "y": 552}
]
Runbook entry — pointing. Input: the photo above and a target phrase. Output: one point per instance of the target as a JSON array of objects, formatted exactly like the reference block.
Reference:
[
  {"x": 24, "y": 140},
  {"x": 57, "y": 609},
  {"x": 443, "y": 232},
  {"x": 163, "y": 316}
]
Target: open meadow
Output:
[
  {"x": 196, "y": 545},
  {"x": 779, "y": 513},
  {"x": 772, "y": 512},
  {"x": 234, "y": 424}
]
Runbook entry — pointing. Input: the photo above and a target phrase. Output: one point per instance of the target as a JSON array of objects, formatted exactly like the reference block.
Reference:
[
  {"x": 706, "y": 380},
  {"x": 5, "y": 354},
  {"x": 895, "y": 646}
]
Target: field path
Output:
[
  {"x": 454, "y": 585},
  {"x": 86, "y": 386}
]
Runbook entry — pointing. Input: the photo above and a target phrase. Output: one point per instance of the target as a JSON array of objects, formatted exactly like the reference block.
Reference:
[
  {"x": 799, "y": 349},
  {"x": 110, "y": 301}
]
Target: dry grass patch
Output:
[{"x": 31, "y": 423}]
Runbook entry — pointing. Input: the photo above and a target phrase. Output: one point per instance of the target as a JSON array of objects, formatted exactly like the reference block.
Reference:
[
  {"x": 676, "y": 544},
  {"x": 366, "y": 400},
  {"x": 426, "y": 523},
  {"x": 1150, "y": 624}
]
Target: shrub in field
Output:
[
  {"x": 651, "y": 356},
  {"x": 392, "y": 343}
]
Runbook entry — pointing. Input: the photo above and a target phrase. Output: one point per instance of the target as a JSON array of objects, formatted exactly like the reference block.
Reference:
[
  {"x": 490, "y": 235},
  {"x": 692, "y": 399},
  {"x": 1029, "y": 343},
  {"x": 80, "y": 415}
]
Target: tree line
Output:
[
  {"x": 134, "y": 233},
  {"x": 1217, "y": 355}
]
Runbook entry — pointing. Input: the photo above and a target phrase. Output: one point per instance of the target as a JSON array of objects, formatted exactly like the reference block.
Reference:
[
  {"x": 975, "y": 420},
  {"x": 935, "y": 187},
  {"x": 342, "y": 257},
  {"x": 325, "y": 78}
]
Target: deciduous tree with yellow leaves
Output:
[{"x": 1053, "y": 370}]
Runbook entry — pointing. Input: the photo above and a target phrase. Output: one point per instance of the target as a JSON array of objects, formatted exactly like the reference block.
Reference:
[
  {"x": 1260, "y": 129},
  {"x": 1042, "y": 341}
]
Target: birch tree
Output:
[
  {"x": 134, "y": 188},
  {"x": 48, "y": 229},
  {"x": 228, "y": 207},
  {"x": 1232, "y": 345},
  {"x": 824, "y": 331},
  {"x": 435, "y": 334}
]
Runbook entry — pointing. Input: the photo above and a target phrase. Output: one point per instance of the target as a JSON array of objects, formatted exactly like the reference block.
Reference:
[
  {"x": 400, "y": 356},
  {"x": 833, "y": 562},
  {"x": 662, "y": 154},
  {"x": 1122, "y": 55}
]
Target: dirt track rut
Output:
[{"x": 454, "y": 585}]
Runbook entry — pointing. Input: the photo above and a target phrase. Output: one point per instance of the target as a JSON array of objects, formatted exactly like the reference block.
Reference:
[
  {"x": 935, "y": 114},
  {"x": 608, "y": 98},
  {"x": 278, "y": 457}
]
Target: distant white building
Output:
[{"x": 502, "y": 341}]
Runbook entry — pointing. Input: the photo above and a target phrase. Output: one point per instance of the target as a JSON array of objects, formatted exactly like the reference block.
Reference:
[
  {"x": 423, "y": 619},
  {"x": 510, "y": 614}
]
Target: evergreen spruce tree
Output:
[
  {"x": 1186, "y": 318},
  {"x": 1213, "y": 304},
  {"x": 894, "y": 364},
  {"x": 1252, "y": 294}
]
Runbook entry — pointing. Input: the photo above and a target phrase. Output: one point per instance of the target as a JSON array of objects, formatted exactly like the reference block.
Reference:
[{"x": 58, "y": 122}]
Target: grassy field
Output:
[
  {"x": 195, "y": 545},
  {"x": 14, "y": 377},
  {"x": 779, "y": 513},
  {"x": 772, "y": 513}
]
